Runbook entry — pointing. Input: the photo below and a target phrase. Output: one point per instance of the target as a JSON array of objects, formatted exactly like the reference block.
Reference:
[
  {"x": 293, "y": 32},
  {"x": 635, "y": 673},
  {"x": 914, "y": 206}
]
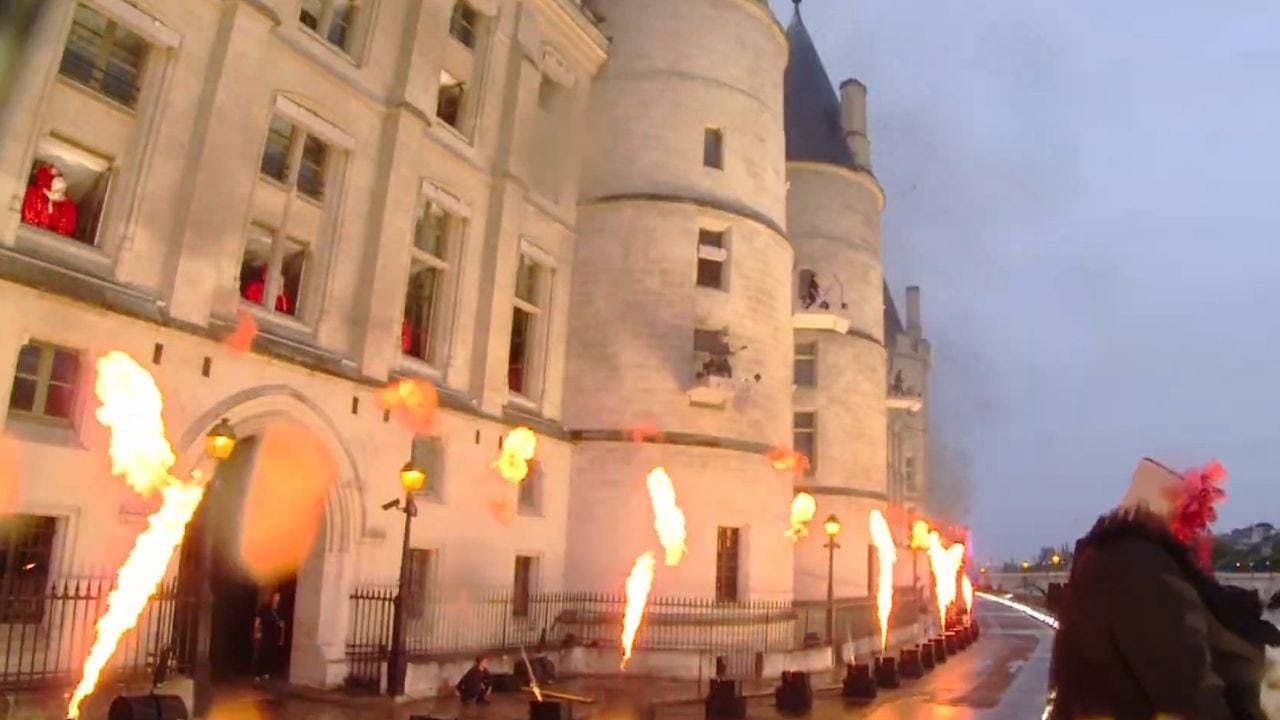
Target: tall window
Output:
[
  {"x": 522, "y": 590},
  {"x": 530, "y": 498},
  {"x": 26, "y": 552},
  {"x": 712, "y": 255},
  {"x": 462, "y": 23},
  {"x": 428, "y": 455},
  {"x": 334, "y": 20},
  {"x": 104, "y": 56},
  {"x": 713, "y": 148},
  {"x": 425, "y": 303},
  {"x": 728, "y": 554},
  {"x": 45, "y": 383},
  {"x": 805, "y": 437},
  {"x": 273, "y": 266},
  {"x": 532, "y": 281},
  {"x": 449, "y": 102},
  {"x": 417, "y": 591},
  {"x": 909, "y": 473},
  {"x": 806, "y": 364},
  {"x": 296, "y": 158},
  {"x": 66, "y": 190}
]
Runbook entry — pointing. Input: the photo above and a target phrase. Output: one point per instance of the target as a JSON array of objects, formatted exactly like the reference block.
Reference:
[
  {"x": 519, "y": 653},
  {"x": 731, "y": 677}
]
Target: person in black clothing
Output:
[
  {"x": 476, "y": 684},
  {"x": 268, "y": 638},
  {"x": 1144, "y": 630}
]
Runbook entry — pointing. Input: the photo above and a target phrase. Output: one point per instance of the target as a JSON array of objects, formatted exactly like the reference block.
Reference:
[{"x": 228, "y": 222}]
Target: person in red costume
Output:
[
  {"x": 46, "y": 204},
  {"x": 255, "y": 289}
]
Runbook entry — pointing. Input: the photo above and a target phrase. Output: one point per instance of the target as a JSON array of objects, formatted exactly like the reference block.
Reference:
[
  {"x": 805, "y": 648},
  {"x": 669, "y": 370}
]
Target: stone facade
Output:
[{"x": 412, "y": 185}]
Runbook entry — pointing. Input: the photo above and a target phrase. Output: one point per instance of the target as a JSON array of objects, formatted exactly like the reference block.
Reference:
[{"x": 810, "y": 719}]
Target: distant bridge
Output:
[{"x": 1037, "y": 581}]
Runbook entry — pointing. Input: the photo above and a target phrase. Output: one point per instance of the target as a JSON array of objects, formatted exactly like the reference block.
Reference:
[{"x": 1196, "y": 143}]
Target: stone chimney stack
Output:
[
  {"x": 914, "y": 328},
  {"x": 853, "y": 116}
]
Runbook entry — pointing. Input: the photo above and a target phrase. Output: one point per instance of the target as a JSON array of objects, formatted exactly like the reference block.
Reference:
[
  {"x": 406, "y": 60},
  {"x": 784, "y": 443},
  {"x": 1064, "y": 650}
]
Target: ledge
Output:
[
  {"x": 910, "y": 403},
  {"x": 820, "y": 321},
  {"x": 712, "y": 392}
]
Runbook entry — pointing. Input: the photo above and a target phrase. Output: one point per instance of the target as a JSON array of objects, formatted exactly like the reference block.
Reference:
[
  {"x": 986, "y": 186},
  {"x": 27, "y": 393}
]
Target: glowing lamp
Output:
[
  {"x": 221, "y": 440},
  {"x": 1057, "y": 559},
  {"x": 412, "y": 477},
  {"x": 1026, "y": 565},
  {"x": 831, "y": 526}
]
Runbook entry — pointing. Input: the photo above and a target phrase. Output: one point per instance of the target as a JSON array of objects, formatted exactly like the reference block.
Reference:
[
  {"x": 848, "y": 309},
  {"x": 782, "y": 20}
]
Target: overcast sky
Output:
[{"x": 1089, "y": 195}]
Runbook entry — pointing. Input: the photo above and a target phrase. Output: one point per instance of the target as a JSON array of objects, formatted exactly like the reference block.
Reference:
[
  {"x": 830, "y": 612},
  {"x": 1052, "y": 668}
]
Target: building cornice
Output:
[
  {"x": 843, "y": 492},
  {"x": 750, "y": 215},
  {"x": 700, "y": 440}
]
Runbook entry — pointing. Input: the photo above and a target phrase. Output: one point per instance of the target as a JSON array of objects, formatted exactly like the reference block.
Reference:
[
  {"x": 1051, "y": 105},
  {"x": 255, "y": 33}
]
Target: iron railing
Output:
[
  {"x": 459, "y": 626},
  {"x": 855, "y": 618},
  {"x": 47, "y": 647}
]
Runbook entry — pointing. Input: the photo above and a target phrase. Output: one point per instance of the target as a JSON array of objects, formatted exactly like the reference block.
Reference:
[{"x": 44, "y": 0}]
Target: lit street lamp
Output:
[
  {"x": 1057, "y": 559},
  {"x": 412, "y": 478},
  {"x": 220, "y": 444},
  {"x": 832, "y": 528}
]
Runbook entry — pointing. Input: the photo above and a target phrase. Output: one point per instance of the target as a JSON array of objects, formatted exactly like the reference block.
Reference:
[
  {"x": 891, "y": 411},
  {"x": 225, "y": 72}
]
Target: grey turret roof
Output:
[
  {"x": 892, "y": 321},
  {"x": 811, "y": 104}
]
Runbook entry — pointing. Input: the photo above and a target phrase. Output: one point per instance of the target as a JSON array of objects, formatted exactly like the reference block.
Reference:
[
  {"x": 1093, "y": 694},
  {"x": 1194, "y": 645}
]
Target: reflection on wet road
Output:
[{"x": 1003, "y": 676}]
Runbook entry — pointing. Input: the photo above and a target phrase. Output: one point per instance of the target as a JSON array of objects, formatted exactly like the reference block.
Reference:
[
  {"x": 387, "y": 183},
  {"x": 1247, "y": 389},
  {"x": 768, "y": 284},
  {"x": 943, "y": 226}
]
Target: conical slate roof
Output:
[{"x": 811, "y": 104}]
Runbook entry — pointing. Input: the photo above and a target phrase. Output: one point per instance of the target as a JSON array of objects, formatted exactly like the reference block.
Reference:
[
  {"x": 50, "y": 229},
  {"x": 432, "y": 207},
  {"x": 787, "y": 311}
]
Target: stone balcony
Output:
[
  {"x": 711, "y": 391},
  {"x": 818, "y": 318},
  {"x": 905, "y": 400}
]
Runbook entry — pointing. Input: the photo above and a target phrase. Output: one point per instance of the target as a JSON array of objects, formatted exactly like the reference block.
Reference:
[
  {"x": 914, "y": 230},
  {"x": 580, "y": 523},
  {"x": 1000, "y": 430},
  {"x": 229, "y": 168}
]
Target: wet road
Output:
[{"x": 1001, "y": 677}]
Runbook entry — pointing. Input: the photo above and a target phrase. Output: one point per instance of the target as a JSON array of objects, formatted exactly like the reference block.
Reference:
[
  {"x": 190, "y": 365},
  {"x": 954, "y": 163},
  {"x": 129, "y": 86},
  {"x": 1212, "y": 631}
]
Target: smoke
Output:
[{"x": 950, "y": 494}]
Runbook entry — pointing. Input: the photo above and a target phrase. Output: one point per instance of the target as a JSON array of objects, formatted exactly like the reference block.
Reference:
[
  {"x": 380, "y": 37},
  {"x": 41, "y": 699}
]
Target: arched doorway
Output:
[{"x": 281, "y": 515}]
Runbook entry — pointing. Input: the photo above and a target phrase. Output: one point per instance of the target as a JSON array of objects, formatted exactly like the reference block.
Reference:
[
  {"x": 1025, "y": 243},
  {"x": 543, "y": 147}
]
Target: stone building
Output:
[{"x": 584, "y": 220}]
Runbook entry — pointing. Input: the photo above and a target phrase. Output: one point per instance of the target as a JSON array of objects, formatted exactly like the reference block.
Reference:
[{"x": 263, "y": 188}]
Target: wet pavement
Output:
[{"x": 1001, "y": 677}]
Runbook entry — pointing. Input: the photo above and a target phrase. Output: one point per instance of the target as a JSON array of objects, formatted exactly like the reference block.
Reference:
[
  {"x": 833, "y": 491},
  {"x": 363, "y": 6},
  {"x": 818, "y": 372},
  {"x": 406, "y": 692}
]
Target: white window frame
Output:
[
  {"x": 44, "y": 378},
  {"x": 48, "y": 146},
  {"x": 357, "y": 32},
  {"x": 711, "y": 253},
  {"x": 813, "y": 432},
  {"x": 811, "y": 358},
  {"x": 539, "y": 310},
  {"x": 445, "y": 306},
  {"x": 274, "y": 284}
]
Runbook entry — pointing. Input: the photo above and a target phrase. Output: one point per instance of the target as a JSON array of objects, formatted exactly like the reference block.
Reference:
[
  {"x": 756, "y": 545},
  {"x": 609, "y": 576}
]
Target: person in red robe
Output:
[
  {"x": 256, "y": 289},
  {"x": 46, "y": 205}
]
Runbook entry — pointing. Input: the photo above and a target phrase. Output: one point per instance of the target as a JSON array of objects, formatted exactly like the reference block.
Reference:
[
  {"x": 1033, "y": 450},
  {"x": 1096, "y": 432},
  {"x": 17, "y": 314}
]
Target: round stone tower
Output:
[
  {"x": 833, "y": 216},
  {"x": 680, "y": 326}
]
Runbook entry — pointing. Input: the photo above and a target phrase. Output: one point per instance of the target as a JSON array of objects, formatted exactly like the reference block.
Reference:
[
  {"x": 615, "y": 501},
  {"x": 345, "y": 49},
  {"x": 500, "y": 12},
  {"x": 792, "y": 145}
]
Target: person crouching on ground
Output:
[
  {"x": 1145, "y": 631},
  {"x": 476, "y": 684}
]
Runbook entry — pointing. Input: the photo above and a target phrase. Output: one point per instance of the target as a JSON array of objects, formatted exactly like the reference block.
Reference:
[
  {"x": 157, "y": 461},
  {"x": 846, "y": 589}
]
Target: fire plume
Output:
[
  {"x": 668, "y": 518},
  {"x": 787, "y": 460},
  {"x": 803, "y": 508},
  {"x": 413, "y": 401},
  {"x": 518, "y": 448},
  {"x": 882, "y": 538},
  {"x": 944, "y": 563},
  {"x": 966, "y": 589},
  {"x": 131, "y": 408},
  {"x": 241, "y": 339},
  {"x": 639, "y": 582}
]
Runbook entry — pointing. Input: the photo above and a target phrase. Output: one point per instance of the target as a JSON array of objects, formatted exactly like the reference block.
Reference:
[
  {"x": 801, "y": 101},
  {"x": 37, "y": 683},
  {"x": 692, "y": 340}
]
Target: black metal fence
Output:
[
  {"x": 458, "y": 626},
  {"x": 48, "y": 632},
  {"x": 856, "y": 618}
]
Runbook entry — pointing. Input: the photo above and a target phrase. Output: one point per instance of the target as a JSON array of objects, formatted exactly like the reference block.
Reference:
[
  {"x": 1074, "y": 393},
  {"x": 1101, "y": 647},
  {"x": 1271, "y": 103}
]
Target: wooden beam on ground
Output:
[{"x": 553, "y": 695}]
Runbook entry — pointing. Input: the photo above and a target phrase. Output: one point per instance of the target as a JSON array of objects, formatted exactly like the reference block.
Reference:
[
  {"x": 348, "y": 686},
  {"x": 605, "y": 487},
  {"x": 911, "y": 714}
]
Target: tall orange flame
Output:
[
  {"x": 518, "y": 448},
  {"x": 944, "y": 563},
  {"x": 639, "y": 582},
  {"x": 803, "y": 508},
  {"x": 882, "y": 539},
  {"x": 131, "y": 407},
  {"x": 966, "y": 588},
  {"x": 668, "y": 518}
]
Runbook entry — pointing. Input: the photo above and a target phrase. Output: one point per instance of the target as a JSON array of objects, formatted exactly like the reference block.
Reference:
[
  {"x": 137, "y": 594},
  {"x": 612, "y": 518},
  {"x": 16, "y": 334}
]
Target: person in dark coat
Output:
[
  {"x": 1144, "y": 630},
  {"x": 268, "y": 638},
  {"x": 476, "y": 683}
]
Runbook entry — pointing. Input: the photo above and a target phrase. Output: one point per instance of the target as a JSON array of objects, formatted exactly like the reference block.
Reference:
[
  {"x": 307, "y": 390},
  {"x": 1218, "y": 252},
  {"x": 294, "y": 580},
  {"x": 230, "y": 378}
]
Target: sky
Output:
[{"x": 1087, "y": 193}]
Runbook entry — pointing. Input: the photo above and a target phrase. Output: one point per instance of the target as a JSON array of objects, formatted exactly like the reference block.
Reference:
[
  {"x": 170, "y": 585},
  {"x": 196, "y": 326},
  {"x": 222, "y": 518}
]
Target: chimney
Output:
[
  {"x": 853, "y": 116},
  {"x": 914, "y": 329}
]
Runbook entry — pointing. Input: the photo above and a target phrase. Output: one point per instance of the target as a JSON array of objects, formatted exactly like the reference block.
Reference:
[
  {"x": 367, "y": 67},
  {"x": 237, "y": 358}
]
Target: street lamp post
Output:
[
  {"x": 220, "y": 443},
  {"x": 832, "y": 527},
  {"x": 412, "y": 478}
]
